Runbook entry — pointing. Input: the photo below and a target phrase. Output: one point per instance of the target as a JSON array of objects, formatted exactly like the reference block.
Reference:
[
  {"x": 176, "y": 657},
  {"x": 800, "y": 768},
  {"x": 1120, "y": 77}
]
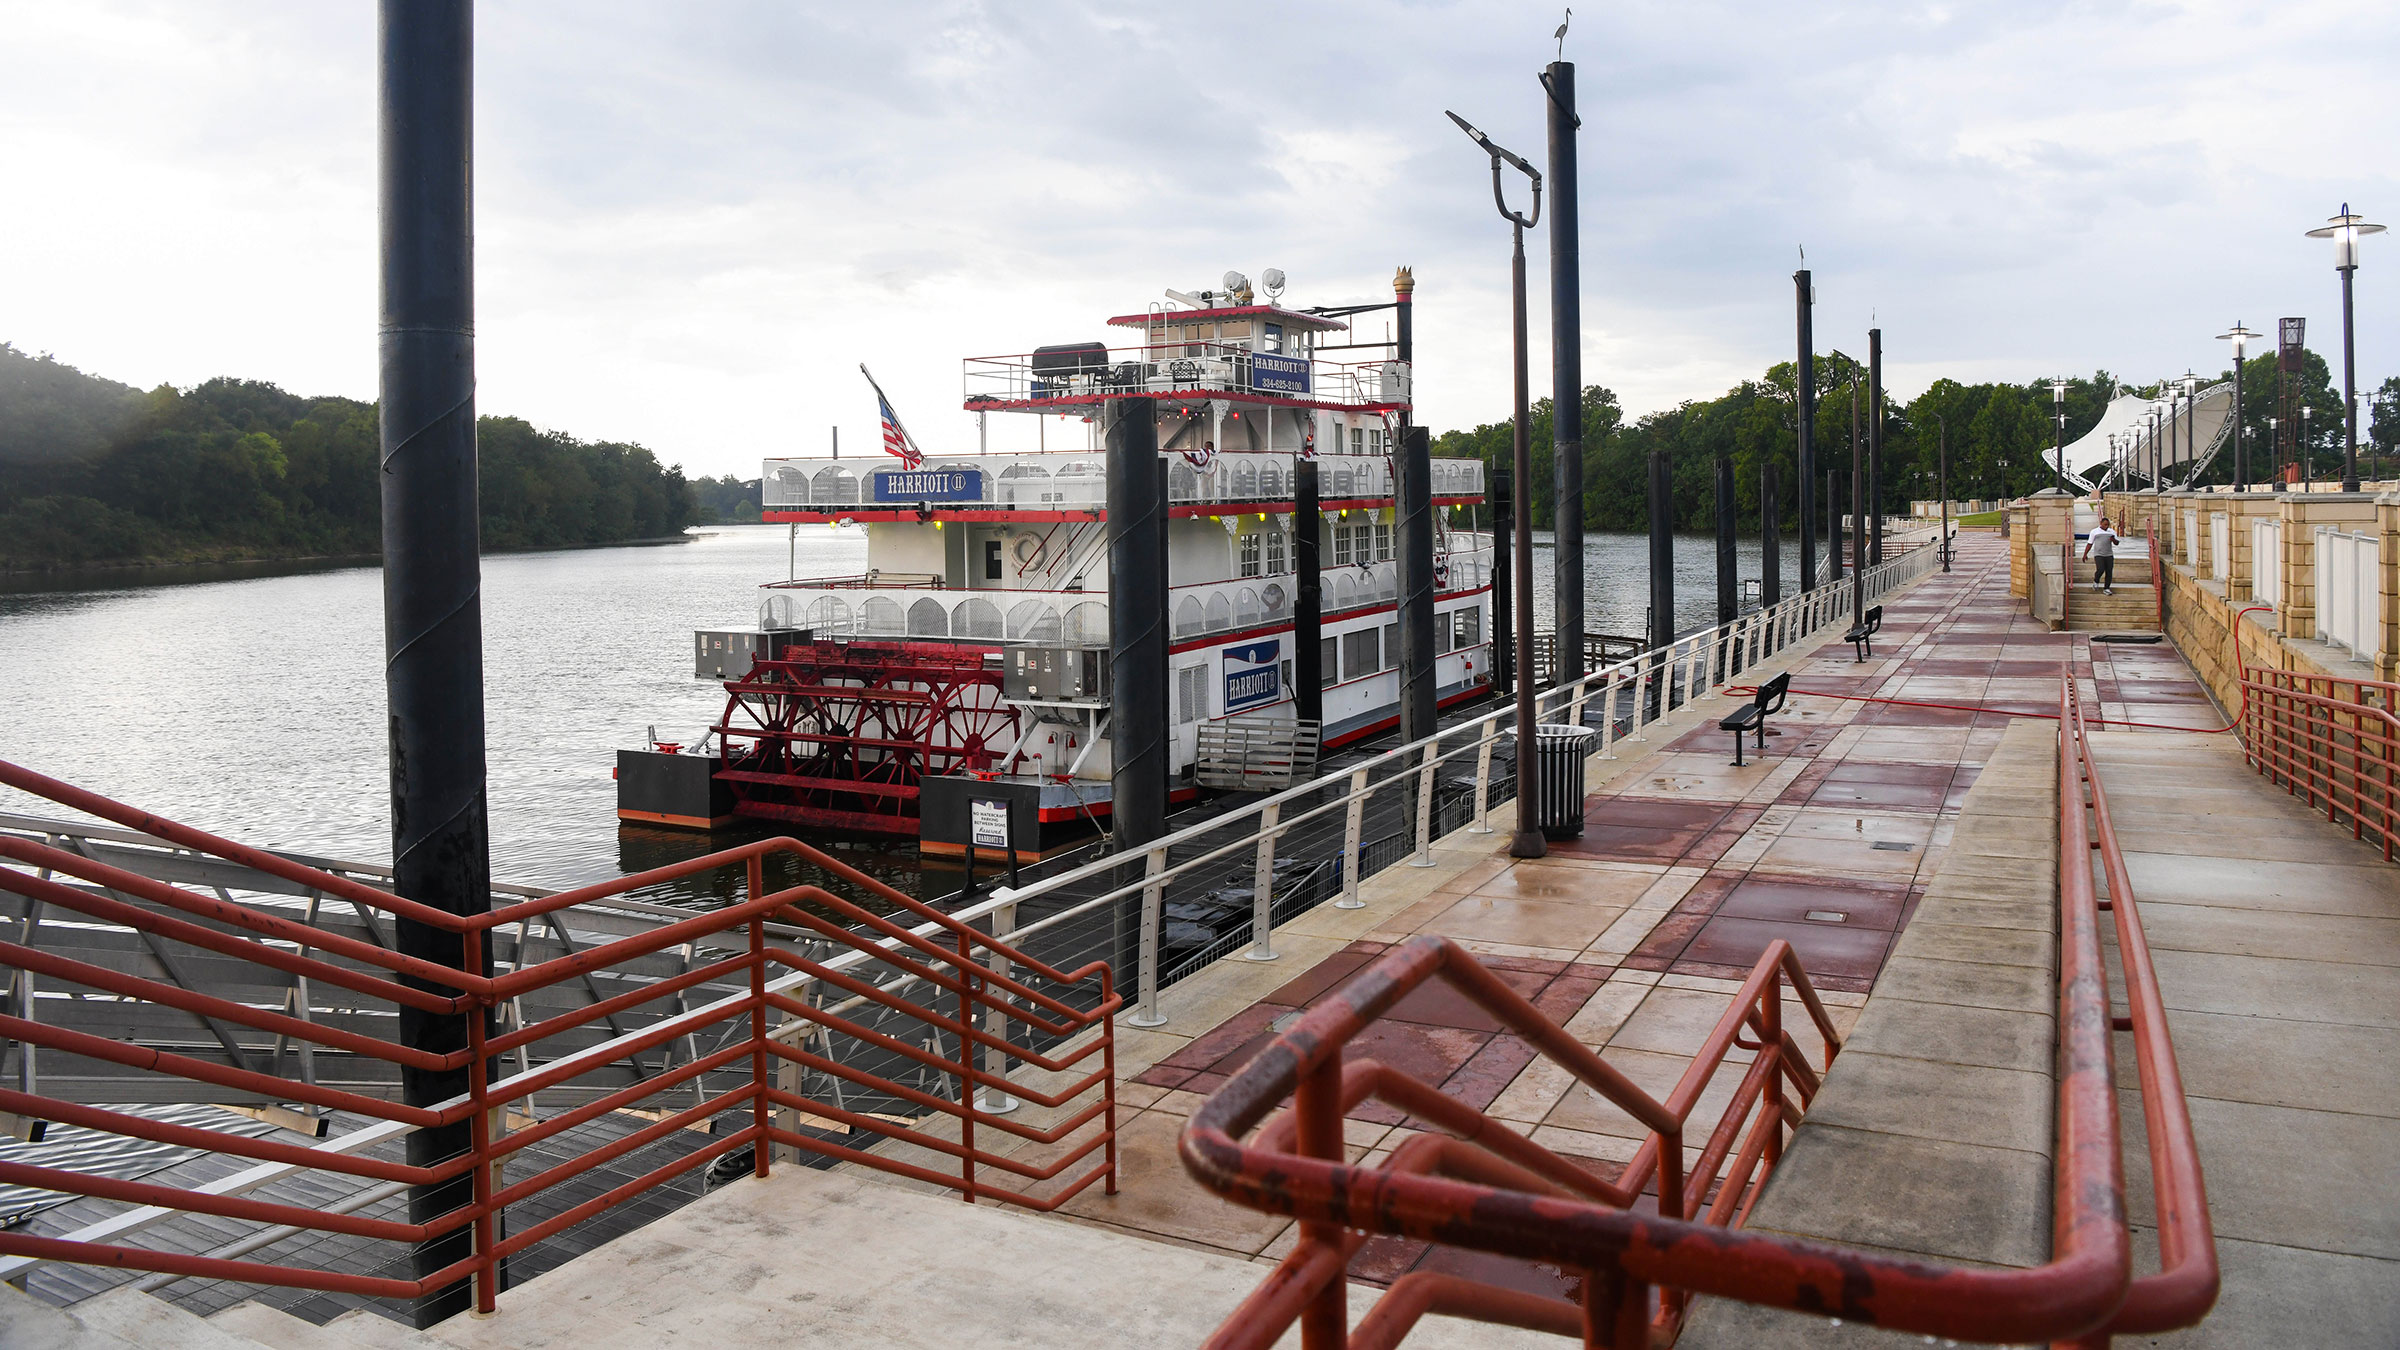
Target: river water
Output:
[{"x": 252, "y": 705}]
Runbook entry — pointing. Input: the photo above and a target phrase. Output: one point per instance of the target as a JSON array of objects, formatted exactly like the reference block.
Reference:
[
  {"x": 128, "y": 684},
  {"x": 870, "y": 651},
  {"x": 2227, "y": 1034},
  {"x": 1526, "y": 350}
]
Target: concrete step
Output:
[
  {"x": 820, "y": 1260},
  {"x": 121, "y": 1319},
  {"x": 370, "y": 1330},
  {"x": 277, "y": 1329}
]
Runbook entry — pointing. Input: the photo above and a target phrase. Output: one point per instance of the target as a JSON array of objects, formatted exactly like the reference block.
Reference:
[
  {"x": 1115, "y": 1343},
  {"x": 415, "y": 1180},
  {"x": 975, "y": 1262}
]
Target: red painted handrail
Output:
[
  {"x": 1491, "y": 1190},
  {"x": 2340, "y": 753},
  {"x": 982, "y": 980}
]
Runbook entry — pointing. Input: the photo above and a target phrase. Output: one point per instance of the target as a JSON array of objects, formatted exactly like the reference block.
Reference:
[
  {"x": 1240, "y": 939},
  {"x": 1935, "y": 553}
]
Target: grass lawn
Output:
[{"x": 1980, "y": 520}]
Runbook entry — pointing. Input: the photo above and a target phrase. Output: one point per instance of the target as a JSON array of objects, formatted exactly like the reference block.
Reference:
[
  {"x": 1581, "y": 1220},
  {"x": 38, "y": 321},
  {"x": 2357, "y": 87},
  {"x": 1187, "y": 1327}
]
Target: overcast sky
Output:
[{"x": 696, "y": 219}]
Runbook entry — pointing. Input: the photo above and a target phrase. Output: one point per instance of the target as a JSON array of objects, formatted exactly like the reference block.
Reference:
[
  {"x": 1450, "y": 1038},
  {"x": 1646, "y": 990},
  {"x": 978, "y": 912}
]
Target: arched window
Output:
[
  {"x": 828, "y": 615},
  {"x": 835, "y": 487},
  {"x": 1033, "y": 621},
  {"x": 976, "y": 619},
  {"x": 1345, "y": 482},
  {"x": 1087, "y": 624},
  {"x": 1025, "y": 485},
  {"x": 881, "y": 616},
  {"x": 1247, "y": 612},
  {"x": 1188, "y": 619},
  {"x": 1245, "y": 480},
  {"x": 1277, "y": 600},
  {"x": 1270, "y": 482},
  {"x": 927, "y": 618},
  {"x": 791, "y": 486},
  {"x": 1220, "y": 613},
  {"x": 1183, "y": 485}
]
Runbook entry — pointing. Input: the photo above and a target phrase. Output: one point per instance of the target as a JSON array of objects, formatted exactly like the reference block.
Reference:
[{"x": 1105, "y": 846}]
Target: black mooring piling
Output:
[
  {"x": 1137, "y": 626},
  {"x": 1566, "y": 376},
  {"x": 1417, "y": 678},
  {"x": 1729, "y": 582},
  {"x": 1770, "y": 535},
  {"x": 1805, "y": 396},
  {"x": 432, "y": 616},
  {"x": 1308, "y": 606},
  {"x": 1875, "y": 444}
]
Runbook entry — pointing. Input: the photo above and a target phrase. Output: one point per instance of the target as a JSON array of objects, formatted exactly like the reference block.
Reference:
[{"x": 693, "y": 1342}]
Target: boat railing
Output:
[
  {"x": 1081, "y": 617},
  {"x": 1079, "y": 481},
  {"x": 1199, "y": 370}
]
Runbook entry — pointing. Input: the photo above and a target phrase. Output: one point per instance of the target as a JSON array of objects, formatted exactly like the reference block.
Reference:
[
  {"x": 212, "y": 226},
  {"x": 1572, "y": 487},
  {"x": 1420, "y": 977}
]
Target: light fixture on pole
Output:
[
  {"x": 1527, "y": 842},
  {"x": 2308, "y": 458},
  {"x": 2191, "y": 424},
  {"x": 2272, "y": 423},
  {"x": 2240, "y": 337},
  {"x": 2058, "y": 415},
  {"x": 2344, "y": 230}
]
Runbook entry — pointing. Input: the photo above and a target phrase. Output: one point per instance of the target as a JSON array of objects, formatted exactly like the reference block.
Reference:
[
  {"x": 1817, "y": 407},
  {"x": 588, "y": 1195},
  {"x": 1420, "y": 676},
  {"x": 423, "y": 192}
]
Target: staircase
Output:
[
  {"x": 2134, "y": 607},
  {"x": 799, "y": 1260}
]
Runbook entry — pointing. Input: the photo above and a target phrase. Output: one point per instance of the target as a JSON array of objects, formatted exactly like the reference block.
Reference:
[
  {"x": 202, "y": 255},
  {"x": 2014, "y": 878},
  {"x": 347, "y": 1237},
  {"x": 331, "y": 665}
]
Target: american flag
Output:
[{"x": 896, "y": 440}]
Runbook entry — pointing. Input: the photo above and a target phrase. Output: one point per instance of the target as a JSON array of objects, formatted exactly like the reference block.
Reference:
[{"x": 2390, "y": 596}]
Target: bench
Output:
[
  {"x": 1861, "y": 636},
  {"x": 1753, "y": 715}
]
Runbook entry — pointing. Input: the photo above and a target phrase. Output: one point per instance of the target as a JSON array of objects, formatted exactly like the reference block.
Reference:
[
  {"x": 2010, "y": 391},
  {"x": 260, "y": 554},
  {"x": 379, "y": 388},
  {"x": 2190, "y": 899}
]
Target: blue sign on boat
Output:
[
  {"x": 1271, "y": 374},
  {"x": 927, "y": 485},
  {"x": 1251, "y": 677}
]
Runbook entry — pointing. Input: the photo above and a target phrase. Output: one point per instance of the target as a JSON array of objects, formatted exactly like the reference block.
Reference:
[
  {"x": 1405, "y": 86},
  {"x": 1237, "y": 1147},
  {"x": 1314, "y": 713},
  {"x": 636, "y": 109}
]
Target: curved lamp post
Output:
[
  {"x": 2344, "y": 230},
  {"x": 1527, "y": 842},
  {"x": 2239, "y": 336}
]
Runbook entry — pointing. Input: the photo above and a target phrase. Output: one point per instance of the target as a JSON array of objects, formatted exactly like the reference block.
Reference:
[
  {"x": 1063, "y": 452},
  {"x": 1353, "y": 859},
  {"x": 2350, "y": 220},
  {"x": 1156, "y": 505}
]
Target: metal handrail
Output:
[
  {"x": 2294, "y": 736},
  {"x": 988, "y": 984},
  {"x": 1489, "y": 1187},
  {"x": 1499, "y": 1193},
  {"x": 2186, "y": 1286}
]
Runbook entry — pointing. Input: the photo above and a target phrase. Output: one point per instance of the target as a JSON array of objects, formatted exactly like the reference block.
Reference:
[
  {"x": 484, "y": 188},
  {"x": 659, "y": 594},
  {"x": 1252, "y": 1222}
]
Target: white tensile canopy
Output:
[{"x": 2191, "y": 443}]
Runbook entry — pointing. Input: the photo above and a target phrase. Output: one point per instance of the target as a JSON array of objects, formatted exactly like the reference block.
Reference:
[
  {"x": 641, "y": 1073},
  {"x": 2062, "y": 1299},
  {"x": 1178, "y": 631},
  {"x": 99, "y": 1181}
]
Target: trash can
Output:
[{"x": 1559, "y": 750}]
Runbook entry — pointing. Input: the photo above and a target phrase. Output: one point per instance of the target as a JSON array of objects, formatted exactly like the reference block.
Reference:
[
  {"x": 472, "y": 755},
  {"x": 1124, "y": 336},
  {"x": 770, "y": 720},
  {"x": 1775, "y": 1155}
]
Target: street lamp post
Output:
[
  {"x": 1942, "y": 488},
  {"x": 2058, "y": 415},
  {"x": 2272, "y": 423},
  {"x": 2191, "y": 424},
  {"x": 2344, "y": 230},
  {"x": 1527, "y": 842},
  {"x": 2308, "y": 458},
  {"x": 2240, "y": 336}
]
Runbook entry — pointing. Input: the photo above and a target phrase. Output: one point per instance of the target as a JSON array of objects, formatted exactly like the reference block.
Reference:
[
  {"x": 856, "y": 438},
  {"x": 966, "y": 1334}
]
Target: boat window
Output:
[
  {"x": 1277, "y": 554},
  {"x": 1391, "y": 645},
  {"x": 991, "y": 560},
  {"x": 1360, "y": 653},
  {"x": 1273, "y": 339},
  {"x": 1251, "y": 556},
  {"x": 1329, "y": 663}
]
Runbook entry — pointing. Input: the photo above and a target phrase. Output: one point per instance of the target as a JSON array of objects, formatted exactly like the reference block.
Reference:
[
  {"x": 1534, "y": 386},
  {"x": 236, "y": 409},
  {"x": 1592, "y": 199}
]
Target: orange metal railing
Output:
[
  {"x": 1645, "y": 1242},
  {"x": 2331, "y": 740},
  {"x": 959, "y": 987}
]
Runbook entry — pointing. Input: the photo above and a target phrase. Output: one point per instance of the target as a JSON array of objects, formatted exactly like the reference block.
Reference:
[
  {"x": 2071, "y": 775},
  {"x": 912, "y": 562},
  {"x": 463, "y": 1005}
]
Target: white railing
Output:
[
  {"x": 1695, "y": 666},
  {"x": 1078, "y": 481},
  {"x": 2348, "y": 598},
  {"x": 2266, "y": 560},
  {"x": 1081, "y": 618},
  {"x": 1168, "y": 369},
  {"x": 2220, "y": 547}
]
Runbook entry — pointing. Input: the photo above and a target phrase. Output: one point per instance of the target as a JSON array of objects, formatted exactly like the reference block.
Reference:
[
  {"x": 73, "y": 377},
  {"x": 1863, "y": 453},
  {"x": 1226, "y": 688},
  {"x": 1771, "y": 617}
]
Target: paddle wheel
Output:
[{"x": 841, "y": 734}]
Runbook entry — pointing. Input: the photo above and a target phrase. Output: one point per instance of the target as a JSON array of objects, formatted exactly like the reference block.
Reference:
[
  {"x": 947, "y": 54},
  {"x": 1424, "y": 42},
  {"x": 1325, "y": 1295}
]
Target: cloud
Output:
[{"x": 694, "y": 221}]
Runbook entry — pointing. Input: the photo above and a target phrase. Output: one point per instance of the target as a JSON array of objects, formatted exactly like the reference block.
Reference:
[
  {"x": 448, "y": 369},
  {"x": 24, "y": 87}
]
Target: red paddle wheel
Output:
[{"x": 840, "y": 735}]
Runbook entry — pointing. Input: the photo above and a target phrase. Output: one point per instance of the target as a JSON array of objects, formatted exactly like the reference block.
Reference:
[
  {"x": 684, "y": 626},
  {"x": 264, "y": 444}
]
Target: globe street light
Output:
[
  {"x": 2241, "y": 464},
  {"x": 2344, "y": 230},
  {"x": 2272, "y": 423}
]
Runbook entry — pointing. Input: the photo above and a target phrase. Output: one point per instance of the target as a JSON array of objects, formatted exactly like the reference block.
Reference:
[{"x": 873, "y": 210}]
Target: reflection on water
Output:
[{"x": 253, "y": 706}]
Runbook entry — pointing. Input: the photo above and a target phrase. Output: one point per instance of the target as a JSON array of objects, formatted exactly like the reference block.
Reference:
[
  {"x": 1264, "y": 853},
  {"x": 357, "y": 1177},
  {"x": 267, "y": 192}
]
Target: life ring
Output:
[{"x": 1028, "y": 549}]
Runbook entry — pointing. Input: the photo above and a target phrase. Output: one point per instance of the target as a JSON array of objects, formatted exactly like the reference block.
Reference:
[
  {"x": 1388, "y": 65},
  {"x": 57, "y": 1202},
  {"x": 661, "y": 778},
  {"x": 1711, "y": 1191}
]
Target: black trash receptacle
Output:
[{"x": 1561, "y": 749}]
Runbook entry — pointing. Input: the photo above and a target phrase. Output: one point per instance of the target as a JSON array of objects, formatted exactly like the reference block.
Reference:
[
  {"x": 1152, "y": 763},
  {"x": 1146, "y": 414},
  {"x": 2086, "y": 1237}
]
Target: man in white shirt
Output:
[{"x": 2101, "y": 547}]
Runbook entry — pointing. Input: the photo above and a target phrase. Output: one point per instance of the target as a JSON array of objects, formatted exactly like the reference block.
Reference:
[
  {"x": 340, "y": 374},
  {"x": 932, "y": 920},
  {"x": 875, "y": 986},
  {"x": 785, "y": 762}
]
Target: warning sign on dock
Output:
[{"x": 987, "y": 823}]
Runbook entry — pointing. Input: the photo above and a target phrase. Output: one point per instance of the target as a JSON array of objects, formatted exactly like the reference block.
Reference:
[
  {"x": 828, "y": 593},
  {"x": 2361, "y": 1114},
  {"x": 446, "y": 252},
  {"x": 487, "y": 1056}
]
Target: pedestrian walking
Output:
[{"x": 2101, "y": 547}]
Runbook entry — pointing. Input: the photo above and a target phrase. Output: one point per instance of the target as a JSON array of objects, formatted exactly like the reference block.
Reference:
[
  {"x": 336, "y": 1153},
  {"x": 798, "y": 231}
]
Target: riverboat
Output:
[{"x": 975, "y": 643}]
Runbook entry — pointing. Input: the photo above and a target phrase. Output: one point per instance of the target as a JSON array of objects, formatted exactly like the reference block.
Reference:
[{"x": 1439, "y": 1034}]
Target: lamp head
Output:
[
  {"x": 2240, "y": 337},
  {"x": 2344, "y": 230}
]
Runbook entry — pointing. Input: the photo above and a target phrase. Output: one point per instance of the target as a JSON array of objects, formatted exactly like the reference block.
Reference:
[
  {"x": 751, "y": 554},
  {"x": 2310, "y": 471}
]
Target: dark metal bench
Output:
[
  {"x": 1861, "y": 636},
  {"x": 1753, "y": 715}
]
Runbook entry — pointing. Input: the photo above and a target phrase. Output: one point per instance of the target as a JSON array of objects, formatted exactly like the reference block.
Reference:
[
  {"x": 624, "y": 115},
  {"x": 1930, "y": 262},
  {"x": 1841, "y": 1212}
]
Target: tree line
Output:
[
  {"x": 95, "y": 472},
  {"x": 2000, "y": 439}
]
